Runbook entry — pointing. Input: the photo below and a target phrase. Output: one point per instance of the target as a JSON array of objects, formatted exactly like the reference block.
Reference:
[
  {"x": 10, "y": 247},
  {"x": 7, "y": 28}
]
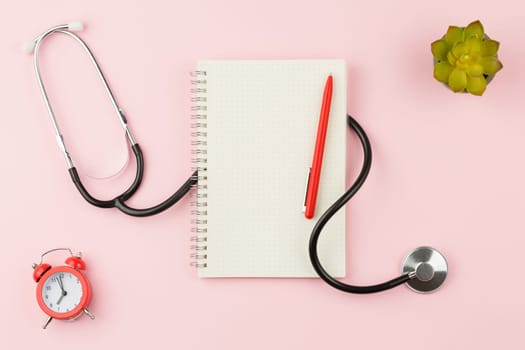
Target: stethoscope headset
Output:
[
  {"x": 423, "y": 270},
  {"x": 118, "y": 202}
]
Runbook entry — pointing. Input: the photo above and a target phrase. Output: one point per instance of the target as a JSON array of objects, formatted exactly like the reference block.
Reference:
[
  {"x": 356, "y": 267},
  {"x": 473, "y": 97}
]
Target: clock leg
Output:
[
  {"x": 47, "y": 322},
  {"x": 89, "y": 313}
]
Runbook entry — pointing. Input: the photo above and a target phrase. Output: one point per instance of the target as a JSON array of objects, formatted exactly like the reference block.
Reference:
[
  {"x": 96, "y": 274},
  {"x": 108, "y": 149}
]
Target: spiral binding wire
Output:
[{"x": 199, "y": 159}]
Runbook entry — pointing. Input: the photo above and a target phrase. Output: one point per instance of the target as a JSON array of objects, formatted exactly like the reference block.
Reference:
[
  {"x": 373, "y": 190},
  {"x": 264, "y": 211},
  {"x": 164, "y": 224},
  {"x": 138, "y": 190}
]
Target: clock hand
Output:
[{"x": 61, "y": 285}]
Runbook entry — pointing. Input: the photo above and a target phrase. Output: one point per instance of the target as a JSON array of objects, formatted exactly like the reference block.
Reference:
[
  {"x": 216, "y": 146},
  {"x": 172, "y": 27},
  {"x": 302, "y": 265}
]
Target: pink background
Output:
[{"x": 448, "y": 172}]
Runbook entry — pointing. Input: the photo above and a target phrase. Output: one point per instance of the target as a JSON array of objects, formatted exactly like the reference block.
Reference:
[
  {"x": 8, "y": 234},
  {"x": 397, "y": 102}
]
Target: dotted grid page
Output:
[{"x": 262, "y": 121}]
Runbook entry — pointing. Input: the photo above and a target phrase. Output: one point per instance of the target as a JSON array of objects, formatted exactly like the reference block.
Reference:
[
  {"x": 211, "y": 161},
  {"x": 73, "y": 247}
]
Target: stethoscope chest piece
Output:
[{"x": 428, "y": 267}]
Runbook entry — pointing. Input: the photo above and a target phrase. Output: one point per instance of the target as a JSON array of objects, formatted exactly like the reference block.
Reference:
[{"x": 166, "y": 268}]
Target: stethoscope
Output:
[
  {"x": 423, "y": 270},
  {"x": 118, "y": 202}
]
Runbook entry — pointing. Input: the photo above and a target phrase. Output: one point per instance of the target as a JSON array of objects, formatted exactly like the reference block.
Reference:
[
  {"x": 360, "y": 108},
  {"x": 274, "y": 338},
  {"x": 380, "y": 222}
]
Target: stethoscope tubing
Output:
[
  {"x": 119, "y": 201},
  {"x": 327, "y": 215}
]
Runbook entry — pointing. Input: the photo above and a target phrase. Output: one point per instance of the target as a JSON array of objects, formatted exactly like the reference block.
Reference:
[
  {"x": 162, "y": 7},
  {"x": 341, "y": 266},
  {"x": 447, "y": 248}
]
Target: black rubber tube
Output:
[
  {"x": 177, "y": 196},
  {"x": 119, "y": 202},
  {"x": 327, "y": 215}
]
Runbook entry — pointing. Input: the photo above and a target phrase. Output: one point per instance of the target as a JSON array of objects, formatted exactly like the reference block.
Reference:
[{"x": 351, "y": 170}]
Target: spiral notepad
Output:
[{"x": 255, "y": 124}]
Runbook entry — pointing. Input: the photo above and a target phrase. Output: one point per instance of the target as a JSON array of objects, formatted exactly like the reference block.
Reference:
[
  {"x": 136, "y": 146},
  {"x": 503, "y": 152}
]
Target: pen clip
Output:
[{"x": 306, "y": 188}]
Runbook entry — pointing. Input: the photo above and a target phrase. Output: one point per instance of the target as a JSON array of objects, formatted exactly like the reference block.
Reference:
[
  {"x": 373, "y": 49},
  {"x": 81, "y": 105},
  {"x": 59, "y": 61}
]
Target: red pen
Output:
[{"x": 315, "y": 171}]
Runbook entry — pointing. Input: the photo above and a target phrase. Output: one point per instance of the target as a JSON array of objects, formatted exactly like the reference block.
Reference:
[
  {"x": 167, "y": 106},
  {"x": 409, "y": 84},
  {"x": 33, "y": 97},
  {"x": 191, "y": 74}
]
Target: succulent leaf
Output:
[
  {"x": 477, "y": 85},
  {"x": 489, "y": 47},
  {"x": 473, "y": 44},
  {"x": 475, "y": 29},
  {"x": 442, "y": 71},
  {"x": 460, "y": 48},
  {"x": 491, "y": 65},
  {"x": 457, "y": 80},
  {"x": 450, "y": 58},
  {"x": 475, "y": 70},
  {"x": 454, "y": 34},
  {"x": 440, "y": 49}
]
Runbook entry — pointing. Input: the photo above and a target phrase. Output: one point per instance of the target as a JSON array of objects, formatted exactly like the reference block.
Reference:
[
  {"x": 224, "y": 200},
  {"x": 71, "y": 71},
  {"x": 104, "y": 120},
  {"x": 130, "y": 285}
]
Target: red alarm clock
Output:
[{"x": 62, "y": 292}]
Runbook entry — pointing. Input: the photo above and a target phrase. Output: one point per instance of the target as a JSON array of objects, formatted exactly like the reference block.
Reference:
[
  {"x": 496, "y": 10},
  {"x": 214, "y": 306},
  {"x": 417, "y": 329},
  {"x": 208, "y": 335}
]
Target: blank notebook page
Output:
[{"x": 261, "y": 127}]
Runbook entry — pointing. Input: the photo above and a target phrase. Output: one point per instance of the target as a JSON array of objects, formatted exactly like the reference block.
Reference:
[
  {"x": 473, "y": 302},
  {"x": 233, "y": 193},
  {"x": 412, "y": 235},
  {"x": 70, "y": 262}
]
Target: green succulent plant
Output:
[{"x": 465, "y": 58}]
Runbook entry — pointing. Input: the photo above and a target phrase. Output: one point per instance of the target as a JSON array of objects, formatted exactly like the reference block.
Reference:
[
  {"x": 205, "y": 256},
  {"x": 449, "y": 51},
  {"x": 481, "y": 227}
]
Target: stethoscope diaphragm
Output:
[{"x": 429, "y": 267}]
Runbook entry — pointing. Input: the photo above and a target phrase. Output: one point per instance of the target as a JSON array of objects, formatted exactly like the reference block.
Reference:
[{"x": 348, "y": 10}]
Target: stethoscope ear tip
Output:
[
  {"x": 75, "y": 26},
  {"x": 427, "y": 268},
  {"x": 29, "y": 47}
]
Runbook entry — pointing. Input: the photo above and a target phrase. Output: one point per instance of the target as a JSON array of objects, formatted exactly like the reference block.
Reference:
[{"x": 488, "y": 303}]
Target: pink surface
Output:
[{"x": 448, "y": 172}]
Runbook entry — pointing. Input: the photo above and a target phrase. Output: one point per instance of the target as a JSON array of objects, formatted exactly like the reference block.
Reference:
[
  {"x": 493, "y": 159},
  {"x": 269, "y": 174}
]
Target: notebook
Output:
[{"x": 255, "y": 128}]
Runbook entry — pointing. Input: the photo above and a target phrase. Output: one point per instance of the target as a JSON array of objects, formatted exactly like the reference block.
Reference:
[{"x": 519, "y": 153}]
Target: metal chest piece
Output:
[{"x": 428, "y": 266}]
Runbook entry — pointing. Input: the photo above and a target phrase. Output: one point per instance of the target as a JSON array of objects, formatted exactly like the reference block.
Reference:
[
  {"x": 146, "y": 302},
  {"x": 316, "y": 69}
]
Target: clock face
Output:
[{"x": 62, "y": 292}]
